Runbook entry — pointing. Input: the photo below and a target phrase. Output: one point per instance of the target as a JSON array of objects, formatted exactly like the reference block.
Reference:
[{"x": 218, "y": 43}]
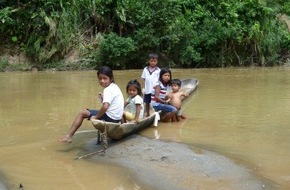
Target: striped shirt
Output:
[{"x": 162, "y": 94}]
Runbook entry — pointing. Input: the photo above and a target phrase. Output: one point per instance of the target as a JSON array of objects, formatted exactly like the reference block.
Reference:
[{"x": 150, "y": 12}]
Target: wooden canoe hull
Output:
[{"x": 118, "y": 131}]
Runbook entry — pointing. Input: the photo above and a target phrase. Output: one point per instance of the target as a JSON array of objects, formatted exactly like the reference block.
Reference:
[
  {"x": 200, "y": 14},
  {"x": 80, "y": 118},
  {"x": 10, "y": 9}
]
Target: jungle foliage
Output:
[{"x": 121, "y": 33}]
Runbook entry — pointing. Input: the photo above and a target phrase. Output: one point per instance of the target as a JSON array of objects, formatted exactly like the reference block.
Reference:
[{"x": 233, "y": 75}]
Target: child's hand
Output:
[
  {"x": 100, "y": 96},
  {"x": 134, "y": 121},
  {"x": 185, "y": 95},
  {"x": 92, "y": 118}
]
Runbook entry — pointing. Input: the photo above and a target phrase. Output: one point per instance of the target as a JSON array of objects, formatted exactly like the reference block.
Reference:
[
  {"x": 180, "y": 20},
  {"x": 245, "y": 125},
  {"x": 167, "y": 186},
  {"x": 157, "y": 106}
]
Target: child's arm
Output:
[
  {"x": 125, "y": 104},
  {"x": 168, "y": 97},
  {"x": 143, "y": 78},
  {"x": 100, "y": 97},
  {"x": 102, "y": 111},
  {"x": 143, "y": 83},
  {"x": 138, "y": 109},
  {"x": 157, "y": 92},
  {"x": 127, "y": 101},
  {"x": 184, "y": 94}
]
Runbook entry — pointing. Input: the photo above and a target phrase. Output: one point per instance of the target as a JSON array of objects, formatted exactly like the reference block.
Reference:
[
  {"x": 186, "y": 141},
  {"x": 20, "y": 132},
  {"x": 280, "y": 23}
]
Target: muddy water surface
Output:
[{"x": 242, "y": 114}]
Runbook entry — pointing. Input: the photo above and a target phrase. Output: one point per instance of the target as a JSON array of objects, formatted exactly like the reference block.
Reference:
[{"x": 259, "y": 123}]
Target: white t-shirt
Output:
[
  {"x": 113, "y": 95},
  {"x": 150, "y": 78},
  {"x": 131, "y": 107}
]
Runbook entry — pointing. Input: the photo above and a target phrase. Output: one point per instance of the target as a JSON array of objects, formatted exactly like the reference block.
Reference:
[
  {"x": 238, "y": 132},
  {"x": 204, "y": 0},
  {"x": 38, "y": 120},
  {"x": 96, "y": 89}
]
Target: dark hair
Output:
[
  {"x": 162, "y": 72},
  {"x": 106, "y": 71},
  {"x": 153, "y": 55},
  {"x": 135, "y": 84},
  {"x": 176, "y": 81}
]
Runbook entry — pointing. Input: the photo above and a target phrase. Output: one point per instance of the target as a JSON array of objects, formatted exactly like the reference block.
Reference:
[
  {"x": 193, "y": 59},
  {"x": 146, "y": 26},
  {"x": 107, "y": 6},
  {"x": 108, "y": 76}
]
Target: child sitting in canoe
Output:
[
  {"x": 175, "y": 97},
  {"x": 112, "y": 104},
  {"x": 134, "y": 107},
  {"x": 158, "y": 95}
]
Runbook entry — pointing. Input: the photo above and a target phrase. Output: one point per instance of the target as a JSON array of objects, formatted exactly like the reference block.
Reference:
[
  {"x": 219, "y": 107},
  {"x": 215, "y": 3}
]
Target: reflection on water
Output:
[{"x": 241, "y": 113}]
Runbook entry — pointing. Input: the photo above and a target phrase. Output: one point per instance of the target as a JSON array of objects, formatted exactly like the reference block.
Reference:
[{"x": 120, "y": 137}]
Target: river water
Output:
[{"x": 241, "y": 113}]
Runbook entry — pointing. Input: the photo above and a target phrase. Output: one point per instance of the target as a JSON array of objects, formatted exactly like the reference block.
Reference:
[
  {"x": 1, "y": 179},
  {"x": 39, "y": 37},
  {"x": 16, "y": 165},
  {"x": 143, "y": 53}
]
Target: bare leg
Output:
[
  {"x": 123, "y": 118},
  {"x": 147, "y": 109},
  {"x": 168, "y": 116},
  {"x": 182, "y": 116},
  {"x": 174, "y": 118},
  {"x": 75, "y": 126}
]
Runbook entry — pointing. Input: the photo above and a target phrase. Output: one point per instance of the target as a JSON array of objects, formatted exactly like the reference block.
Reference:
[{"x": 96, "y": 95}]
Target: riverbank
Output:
[{"x": 169, "y": 165}]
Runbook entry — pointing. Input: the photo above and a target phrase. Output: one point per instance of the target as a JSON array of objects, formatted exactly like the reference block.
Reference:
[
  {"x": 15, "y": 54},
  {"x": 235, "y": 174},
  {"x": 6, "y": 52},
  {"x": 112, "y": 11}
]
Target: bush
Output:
[
  {"x": 115, "y": 51},
  {"x": 6, "y": 66},
  {"x": 3, "y": 64}
]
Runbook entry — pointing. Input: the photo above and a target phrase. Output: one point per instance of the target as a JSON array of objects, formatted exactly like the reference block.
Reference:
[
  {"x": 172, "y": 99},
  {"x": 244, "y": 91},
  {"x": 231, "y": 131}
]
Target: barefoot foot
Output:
[{"x": 66, "y": 139}]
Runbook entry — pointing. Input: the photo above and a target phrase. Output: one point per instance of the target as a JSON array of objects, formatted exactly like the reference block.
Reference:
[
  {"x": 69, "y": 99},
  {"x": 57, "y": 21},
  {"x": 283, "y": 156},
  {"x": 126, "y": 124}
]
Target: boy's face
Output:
[
  {"x": 175, "y": 88},
  {"x": 153, "y": 62}
]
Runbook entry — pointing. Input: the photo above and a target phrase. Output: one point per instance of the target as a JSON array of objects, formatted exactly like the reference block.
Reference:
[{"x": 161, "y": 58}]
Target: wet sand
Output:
[
  {"x": 158, "y": 165},
  {"x": 169, "y": 165}
]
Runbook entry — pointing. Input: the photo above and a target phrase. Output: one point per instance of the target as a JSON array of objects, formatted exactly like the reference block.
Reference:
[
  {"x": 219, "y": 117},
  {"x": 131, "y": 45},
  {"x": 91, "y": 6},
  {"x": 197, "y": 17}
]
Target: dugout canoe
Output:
[{"x": 117, "y": 130}]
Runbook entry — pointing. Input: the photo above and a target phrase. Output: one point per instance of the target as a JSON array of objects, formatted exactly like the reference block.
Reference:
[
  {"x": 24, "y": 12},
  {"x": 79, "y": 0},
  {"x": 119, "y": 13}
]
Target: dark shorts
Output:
[
  {"x": 104, "y": 117},
  {"x": 147, "y": 98}
]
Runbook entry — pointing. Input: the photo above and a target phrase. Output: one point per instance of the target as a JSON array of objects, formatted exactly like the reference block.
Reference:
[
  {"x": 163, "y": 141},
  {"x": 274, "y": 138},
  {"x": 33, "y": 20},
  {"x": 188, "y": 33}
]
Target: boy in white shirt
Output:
[{"x": 150, "y": 76}]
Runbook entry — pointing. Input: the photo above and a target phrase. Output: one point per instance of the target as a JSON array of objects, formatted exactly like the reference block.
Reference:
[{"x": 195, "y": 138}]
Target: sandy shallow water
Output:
[
  {"x": 169, "y": 165},
  {"x": 156, "y": 164}
]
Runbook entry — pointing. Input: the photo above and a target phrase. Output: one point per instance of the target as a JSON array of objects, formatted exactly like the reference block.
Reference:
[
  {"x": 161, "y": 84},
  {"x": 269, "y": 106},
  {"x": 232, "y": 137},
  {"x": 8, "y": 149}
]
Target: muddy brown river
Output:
[{"x": 236, "y": 135}]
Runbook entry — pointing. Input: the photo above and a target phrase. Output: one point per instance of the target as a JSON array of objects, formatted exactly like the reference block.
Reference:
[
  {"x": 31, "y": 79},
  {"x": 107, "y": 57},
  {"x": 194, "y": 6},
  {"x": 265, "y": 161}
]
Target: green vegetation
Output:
[
  {"x": 5, "y": 66},
  {"x": 85, "y": 34}
]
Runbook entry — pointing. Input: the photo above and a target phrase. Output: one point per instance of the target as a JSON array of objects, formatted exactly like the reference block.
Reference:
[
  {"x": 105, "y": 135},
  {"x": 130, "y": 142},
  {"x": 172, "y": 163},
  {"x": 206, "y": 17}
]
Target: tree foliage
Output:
[{"x": 121, "y": 33}]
